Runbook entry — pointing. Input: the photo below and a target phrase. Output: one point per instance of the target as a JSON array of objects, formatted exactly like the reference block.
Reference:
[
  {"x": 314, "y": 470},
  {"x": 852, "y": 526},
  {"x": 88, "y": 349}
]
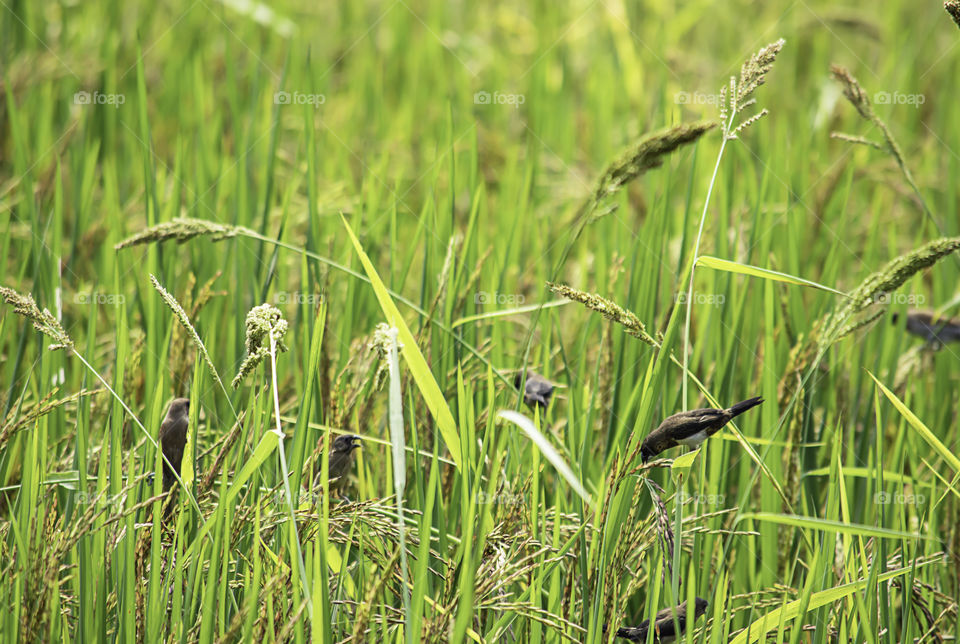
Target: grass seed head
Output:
[
  {"x": 753, "y": 72},
  {"x": 953, "y": 8},
  {"x": 185, "y": 321},
  {"x": 181, "y": 229},
  {"x": 43, "y": 321},
  {"x": 608, "y": 309},
  {"x": 853, "y": 91},
  {"x": 262, "y": 322}
]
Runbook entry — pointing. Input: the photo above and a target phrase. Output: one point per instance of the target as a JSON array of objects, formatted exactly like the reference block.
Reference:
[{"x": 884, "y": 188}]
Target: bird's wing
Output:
[
  {"x": 665, "y": 624},
  {"x": 539, "y": 387},
  {"x": 951, "y": 332},
  {"x": 173, "y": 426},
  {"x": 688, "y": 423}
]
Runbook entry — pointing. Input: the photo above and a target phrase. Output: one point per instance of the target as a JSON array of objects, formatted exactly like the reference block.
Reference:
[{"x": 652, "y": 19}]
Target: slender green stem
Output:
[
  {"x": 696, "y": 252},
  {"x": 286, "y": 475}
]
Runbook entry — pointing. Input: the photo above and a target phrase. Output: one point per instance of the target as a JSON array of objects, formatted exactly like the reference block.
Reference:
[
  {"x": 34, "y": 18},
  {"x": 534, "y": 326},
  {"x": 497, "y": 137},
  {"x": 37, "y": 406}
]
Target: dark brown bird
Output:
[
  {"x": 935, "y": 329},
  {"x": 664, "y": 624},
  {"x": 173, "y": 438},
  {"x": 691, "y": 428},
  {"x": 340, "y": 461},
  {"x": 537, "y": 391}
]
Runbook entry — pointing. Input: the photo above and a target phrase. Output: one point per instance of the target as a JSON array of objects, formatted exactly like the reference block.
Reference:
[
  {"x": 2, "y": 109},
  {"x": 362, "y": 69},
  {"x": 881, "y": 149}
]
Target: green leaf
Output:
[
  {"x": 755, "y": 271},
  {"x": 918, "y": 425},
  {"x": 505, "y": 312},
  {"x": 684, "y": 461},
  {"x": 264, "y": 449},
  {"x": 411, "y": 353},
  {"x": 829, "y": 525},
  {"x": 547, "y": 450},
  {"x": 869, "y": 473},
  {"x": 771, "y": 620}
]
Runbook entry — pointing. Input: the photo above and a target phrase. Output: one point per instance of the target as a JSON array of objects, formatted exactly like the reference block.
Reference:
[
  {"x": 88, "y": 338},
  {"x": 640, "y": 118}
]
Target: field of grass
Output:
[{"x": 429, "y": 196}]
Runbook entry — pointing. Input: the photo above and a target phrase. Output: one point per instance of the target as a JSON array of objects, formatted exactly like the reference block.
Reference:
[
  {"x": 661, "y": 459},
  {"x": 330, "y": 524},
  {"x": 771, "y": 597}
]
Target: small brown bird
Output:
[
  {"x": 664, "y": 624},
  {"x": 537, "y": 391},
  {"x": 691, "y": 428},
  {"x": 173, "y": 438},
  {"x": 935, "y": 329},
  {"x": 340, "y": 461}
]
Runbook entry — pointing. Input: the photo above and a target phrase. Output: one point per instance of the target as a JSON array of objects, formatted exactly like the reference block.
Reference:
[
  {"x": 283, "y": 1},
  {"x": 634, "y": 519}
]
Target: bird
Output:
[
  {"x": 664, "y": 624},
  {"x": 937, "y": 330},
  {"x": 173, "y": 438},
  {"x": 537, "y": 391},
  {"x": 691, "y": 428},
  {"x": 340, "y": 461}
]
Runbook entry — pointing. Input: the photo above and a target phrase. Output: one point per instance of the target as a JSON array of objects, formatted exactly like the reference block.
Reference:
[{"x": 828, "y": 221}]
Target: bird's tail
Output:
[
  {"x": 634, "y": 634},
  {"x": 743, "y": 406}
]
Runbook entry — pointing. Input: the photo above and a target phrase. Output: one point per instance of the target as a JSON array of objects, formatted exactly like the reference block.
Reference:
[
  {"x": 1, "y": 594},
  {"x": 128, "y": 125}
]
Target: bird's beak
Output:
[{"x": 355, "y": 443}]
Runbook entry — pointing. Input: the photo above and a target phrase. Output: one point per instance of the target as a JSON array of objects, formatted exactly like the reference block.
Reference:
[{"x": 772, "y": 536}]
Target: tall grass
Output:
[{"x": 373, "y": 215}]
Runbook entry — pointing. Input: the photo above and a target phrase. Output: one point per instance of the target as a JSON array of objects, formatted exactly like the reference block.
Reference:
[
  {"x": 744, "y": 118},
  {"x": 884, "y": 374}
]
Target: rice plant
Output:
[{"x": 347, "y": 238}]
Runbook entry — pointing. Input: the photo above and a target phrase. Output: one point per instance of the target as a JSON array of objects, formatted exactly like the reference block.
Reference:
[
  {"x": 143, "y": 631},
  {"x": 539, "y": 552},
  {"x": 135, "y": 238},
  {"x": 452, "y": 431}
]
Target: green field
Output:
[{"x": 660, "y": 206}]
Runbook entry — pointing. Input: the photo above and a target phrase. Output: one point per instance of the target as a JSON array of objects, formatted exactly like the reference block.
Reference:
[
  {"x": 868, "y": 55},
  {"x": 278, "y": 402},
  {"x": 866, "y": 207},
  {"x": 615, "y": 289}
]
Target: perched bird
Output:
[
  {"x": 691, "y": 428},
  {"x": 935, "y": 329},
  {"x": 340, "y": 461},
  {"x": 537, "y": 390},
  {"x": 173, "y": 438},
  {"x": 664, "y": 624}
]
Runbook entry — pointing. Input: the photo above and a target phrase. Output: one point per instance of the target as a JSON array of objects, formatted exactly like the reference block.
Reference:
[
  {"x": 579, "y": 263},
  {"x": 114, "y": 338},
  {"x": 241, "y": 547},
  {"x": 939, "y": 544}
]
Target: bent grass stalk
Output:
[
  {"x": 752, "y": 75},
  {"x": 736, "y": 99}
]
